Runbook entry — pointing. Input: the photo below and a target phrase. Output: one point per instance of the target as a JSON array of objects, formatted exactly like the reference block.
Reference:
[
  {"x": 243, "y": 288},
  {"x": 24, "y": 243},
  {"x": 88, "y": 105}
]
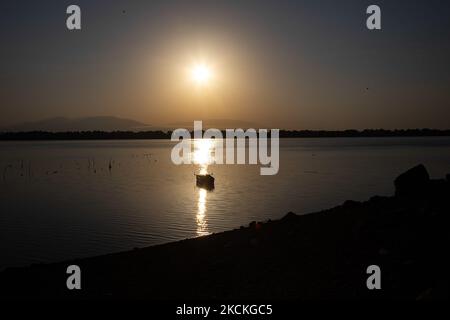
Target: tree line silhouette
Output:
[{"x": 131, "y": 135}]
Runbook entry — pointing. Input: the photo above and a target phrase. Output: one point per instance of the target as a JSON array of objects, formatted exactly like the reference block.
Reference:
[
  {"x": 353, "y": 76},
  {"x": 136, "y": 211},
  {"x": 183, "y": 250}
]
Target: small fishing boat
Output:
[{"x": 205, "y": 181}]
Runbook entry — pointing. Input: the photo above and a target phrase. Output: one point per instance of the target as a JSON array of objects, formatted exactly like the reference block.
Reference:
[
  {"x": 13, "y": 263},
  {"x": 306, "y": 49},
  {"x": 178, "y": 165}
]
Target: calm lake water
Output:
[{"x": 60, "y": 200}]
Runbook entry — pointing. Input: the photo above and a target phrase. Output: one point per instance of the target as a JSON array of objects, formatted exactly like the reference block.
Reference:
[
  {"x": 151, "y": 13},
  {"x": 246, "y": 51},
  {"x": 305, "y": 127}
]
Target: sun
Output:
[{"x": 201, "y": 74}]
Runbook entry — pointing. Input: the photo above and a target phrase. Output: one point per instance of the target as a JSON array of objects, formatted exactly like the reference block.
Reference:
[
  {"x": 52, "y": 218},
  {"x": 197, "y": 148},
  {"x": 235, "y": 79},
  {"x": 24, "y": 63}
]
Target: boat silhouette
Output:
[{"x": 205, "y": 181}]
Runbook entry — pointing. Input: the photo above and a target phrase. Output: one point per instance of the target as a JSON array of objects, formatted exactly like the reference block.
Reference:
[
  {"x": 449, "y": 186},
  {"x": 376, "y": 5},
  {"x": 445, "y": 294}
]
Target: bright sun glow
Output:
[{"x": 201, "y": 74}]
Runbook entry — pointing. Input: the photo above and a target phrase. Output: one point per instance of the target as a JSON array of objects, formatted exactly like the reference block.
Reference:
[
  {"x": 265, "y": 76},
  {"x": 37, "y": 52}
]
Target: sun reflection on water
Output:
[
  {"x": 202, "y": 225},
  {"x": 202, "y": 157},
  {"x": 203, "y": 154}
]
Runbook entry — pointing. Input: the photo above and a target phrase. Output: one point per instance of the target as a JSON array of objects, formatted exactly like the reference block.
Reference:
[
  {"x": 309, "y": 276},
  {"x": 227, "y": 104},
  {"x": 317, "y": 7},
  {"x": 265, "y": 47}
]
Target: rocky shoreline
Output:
[{"x": 322, "y": 255}]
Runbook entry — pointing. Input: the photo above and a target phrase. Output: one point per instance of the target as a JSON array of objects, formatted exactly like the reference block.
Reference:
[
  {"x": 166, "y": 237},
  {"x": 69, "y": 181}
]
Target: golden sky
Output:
[{"x": 284, "y": 64}]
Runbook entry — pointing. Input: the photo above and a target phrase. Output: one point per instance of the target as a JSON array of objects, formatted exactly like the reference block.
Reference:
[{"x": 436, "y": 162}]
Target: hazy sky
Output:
[{"x": 281, "y": 64}]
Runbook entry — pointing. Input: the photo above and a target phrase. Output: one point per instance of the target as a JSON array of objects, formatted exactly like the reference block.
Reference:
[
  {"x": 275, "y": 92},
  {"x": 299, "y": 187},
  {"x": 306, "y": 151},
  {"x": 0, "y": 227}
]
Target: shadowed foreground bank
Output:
[{"x": 320, "y": 255}]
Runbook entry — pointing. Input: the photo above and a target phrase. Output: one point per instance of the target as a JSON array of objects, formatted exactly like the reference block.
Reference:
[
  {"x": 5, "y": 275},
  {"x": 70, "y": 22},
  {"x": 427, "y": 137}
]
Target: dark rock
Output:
[
  {"x": 289, "y": 215},
  {"x": 351, "y": 203},
  {"x": 412, "y": 182},
  {"x": 426, "y": 295},
  {"x": 438, "y": 189},
  {"x": 448, "y": 177},
  {"x": 377, "y": 199}
]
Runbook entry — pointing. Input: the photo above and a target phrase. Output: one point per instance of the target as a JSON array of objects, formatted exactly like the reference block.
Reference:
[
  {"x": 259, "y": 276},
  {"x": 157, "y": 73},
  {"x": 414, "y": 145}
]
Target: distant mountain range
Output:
[
  {"x": 61, "y": 124},
  {"x": 217, "y": 124}
]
